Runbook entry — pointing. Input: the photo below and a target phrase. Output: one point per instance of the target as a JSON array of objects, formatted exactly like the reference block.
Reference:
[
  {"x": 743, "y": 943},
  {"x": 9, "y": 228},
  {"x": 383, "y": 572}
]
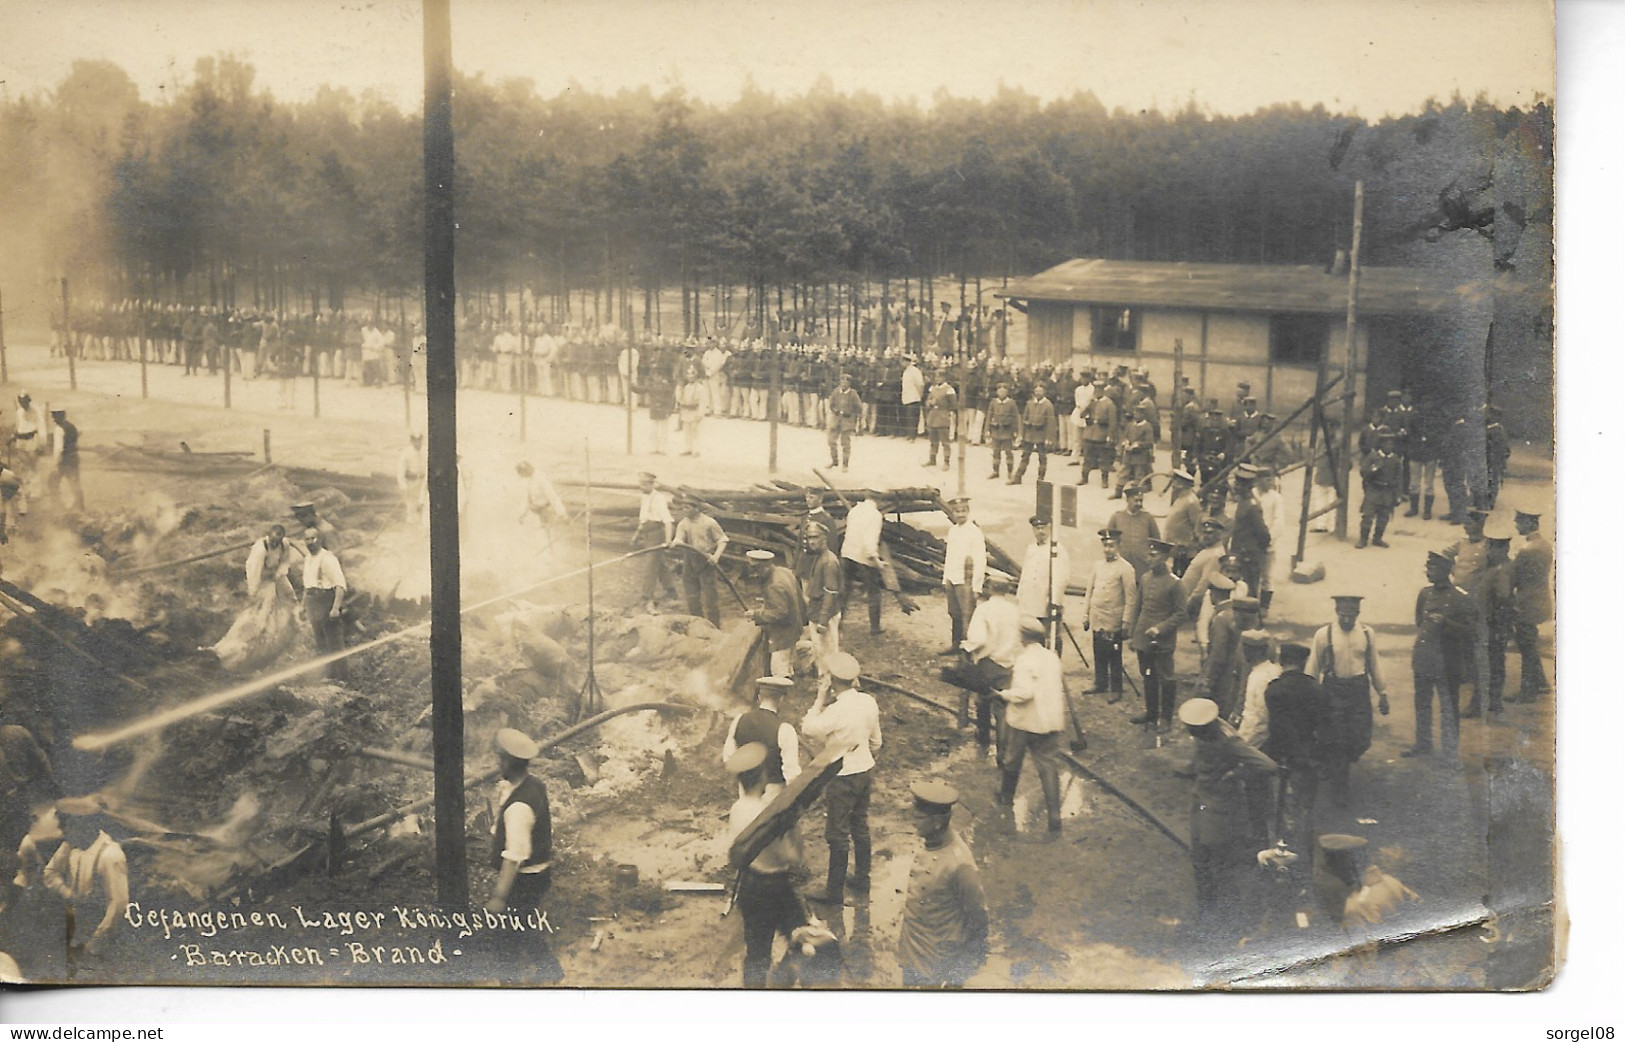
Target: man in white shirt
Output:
[
  {"x": 860, "y": 552},
  {"x": 269, "y": 560},
  {"x": 964, "y": 569},
  {"x": 715, "y": 361},
  {"x": 1045, "y": 572},
  {"x": 851, "y": 722},
  {"x": 1034, "y": 715},
  {"x": 324, "y": 602},
  {"x": 1254, "y": 726},
  {"x": 766, "y": 898},
  {"x": 992, "y": 642},
  {"x": 913, "y": 395},
  {"x": 522, "y": 856},
  {"x": 1271, "y": 505},
  {"x": 1114, "y": 598},
  {"x": 412, "y": 479},
  {"x": 655, "y": 528},
  {"x": 765, "y": 724},
  {"x": 1343, "y": 657}
]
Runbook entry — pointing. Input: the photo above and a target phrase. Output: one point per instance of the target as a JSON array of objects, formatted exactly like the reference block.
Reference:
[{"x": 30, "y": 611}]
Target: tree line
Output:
[{"x": 589, "y": 204}]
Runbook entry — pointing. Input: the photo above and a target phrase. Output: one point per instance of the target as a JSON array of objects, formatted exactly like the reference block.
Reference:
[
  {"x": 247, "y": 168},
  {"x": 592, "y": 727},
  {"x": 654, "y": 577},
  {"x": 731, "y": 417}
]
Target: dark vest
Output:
[
  {"x": 762, "y": 725},
  {"x": 530, "y": 791}
]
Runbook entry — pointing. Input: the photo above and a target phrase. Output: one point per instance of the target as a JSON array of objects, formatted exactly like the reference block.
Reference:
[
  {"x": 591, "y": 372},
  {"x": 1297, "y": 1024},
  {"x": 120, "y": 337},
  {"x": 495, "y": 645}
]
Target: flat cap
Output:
[
  {"x": 1198, "y": 712},
  {"x": 1477, "y": 512},
  {"x": 747, "y": 757},
  {"x": 1135, "y": 489},
  {"x": 1032, "y": 626},
  {"x": 1255, "y": 638},
  {"x": 516, "y": 743},
  {"x": 1294, "y": 654},
  {"x": 1109, "y": 533},
  {"x": 1435, "y": 557},
  {"x": 1214, "y": 522},
  {"x": 759, "y": 555},
  {"x": 842, "y": 666},
  {"x": 934, "y": 795},
  {"x": 1248, "y": 603},
  {"x": 80, "y": 806},
  {"x": 1160, "y": 545},
  {"x": 1336, "y": 842},
  {"x": 1347, "y": 598}
]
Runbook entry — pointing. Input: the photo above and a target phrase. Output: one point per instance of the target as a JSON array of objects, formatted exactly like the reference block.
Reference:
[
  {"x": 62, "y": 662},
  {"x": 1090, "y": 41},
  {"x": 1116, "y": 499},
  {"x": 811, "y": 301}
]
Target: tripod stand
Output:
[{"x": 590, "y": 700}]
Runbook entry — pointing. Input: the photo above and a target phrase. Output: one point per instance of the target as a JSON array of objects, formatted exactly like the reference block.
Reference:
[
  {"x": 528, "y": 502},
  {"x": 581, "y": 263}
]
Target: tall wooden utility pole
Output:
[
  {"x": 445, "y": 583},
  {"x": 67, "y": 337},
  {"x": 1345, "y": 457}
]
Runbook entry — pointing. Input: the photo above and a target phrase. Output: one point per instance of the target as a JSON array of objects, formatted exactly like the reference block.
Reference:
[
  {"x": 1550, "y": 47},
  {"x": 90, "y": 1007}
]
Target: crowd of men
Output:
[{"x": 1278, "y": 725}]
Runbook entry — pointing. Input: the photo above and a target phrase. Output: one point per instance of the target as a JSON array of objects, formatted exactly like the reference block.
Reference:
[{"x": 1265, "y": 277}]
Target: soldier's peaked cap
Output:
[
  {"x": 1348, "y": 598},
  {"x": 759, "y": 555},
  {"x": 516, "y": 743},
  {"x": 774, "y": 683},
  {"x": 842, "y": 666},
  {"x": 1255, "y": 638},
  {"x": 1198, "y": 712},
  {"x": 934, "y": 795},
  {"x": 1183, "y": 475},
  {"x": 1525, "y": 515}
]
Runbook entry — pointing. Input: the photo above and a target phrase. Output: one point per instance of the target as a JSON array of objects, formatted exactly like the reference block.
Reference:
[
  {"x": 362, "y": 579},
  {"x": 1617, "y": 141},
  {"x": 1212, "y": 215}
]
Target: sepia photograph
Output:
[{"x": 1047, "y": 496}]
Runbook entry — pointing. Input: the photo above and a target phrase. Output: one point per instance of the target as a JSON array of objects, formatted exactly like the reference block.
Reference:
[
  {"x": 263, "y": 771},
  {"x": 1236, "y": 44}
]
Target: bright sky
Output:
[{"x": 1375, "y": 57}]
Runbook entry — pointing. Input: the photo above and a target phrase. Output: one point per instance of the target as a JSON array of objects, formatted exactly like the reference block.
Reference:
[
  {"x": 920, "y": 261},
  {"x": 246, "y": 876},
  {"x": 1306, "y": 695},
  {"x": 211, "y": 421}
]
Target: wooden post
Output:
[
  {"x": 1176, "y": 405},
  {"x": 1316, "y": 420},
  {"x": 228, "y": 355},
  {"x": 265, "y": 438},
  {"x": 2, "y": 337},
  {"x": 773, "y": 403},
  {"x": 316, "y": 376},
  {"x": 522, "y": 378},
  {"x": 142, "y": 348},
  {"x": 445, "y": 583},
  {"x": 67, "y": 337},
  {"x": 404, "y": 360},
  {"x": 1349, "y": 360},
  {"x": 631, "y": 375}
]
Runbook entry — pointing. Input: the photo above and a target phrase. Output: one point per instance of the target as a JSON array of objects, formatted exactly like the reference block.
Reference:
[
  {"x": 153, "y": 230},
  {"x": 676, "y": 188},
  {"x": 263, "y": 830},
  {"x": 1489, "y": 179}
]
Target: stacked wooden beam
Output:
[{"x": 771, "y": 517}]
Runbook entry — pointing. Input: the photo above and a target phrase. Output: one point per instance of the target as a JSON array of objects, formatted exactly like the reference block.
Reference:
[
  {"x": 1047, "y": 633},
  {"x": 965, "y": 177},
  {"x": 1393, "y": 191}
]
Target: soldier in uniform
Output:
[
  {"x": 1298, "y": 712},
  {"x": 1532, "y": 591},
  {"x": 1155, "y": 630},
  {"x": 1138, "y": 444},
  {"x": 1244, "y": 425},
  {"x": 1038, "y": 431},
  {"x": 1212, "y": 442},
  {"x": 941, "y": 405},
  {"x": 845, "y": 410},
  {"x": 1184, "y": 516},
  {"x": 943, "y": 938},
  {"x": 1223, "y": 842},
  {"x": 1421, "y": 452},
  {"x": 1499, "y": 612},
  {"x": 1381, "y": 474},
  {"x": 1003, "y": 423},
  {"x": 1190, "y": 421},
  {"x": 1445, "y": 620},
  {"x": 1497, "y": 451},
  {"x": 1099, "y": 436}
]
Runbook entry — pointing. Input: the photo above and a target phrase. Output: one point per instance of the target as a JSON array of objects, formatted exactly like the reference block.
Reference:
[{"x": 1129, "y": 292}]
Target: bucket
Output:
[{"x": 626, "y": 875}]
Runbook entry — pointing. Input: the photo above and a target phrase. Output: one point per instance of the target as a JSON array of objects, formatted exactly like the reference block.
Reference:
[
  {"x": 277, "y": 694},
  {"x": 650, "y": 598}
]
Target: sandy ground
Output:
[{"x": 1109, "y": 905}]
